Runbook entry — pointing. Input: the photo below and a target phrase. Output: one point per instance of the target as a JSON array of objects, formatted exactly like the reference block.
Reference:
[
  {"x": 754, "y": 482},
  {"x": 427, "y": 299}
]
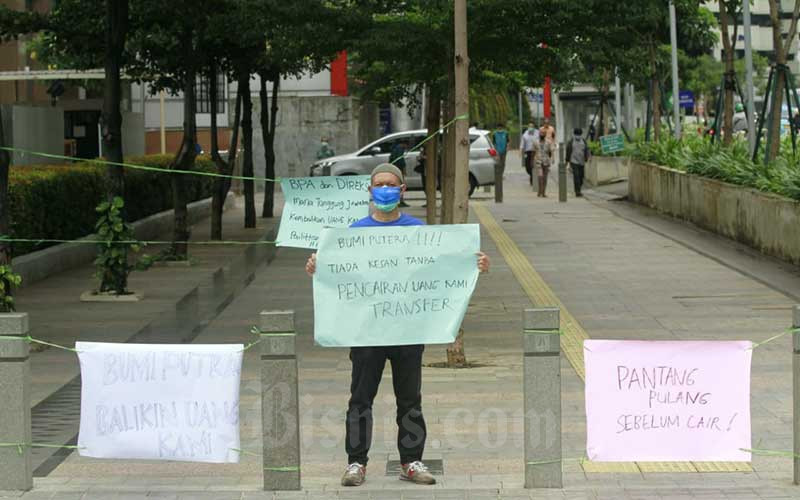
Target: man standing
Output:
[
  {"x": 386, "y": 187},
  {"x": 501, "y": 146},
  {"x": 544, "y": 158},
  {"x": 397, "y": 157},
  {"x": 530, "y": 140},
  {"x": 324, "y": 151},
  {"x": 577, "y": 154}
]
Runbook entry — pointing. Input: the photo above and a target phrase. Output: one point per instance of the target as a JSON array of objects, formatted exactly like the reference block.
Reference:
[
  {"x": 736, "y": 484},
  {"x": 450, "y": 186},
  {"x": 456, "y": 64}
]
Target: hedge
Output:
[{"x": 58, "y": 201}]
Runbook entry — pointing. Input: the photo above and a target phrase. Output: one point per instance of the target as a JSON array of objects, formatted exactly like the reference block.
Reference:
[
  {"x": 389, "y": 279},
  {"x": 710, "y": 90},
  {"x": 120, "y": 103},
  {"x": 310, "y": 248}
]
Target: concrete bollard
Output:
[
  {"x": 562, "y": 174},
  {"x": 280, "y": 409},
  {"x": 542, "y": 394},
  {"x": 796, "y": 391},
  {"x": 15, "y": 411}
]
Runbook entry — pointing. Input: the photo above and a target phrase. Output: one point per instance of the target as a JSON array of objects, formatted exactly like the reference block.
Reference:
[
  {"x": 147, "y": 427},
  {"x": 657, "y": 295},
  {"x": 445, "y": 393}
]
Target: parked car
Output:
[{"x": 482, "y": 158}]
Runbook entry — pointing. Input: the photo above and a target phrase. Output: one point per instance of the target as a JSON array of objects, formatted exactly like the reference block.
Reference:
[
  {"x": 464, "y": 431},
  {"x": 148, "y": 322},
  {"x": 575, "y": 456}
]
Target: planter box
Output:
[
  {"x": 37, "y": 266},
  {"x": 764, "y": 221},
  {"x": 606, "y": 169}
]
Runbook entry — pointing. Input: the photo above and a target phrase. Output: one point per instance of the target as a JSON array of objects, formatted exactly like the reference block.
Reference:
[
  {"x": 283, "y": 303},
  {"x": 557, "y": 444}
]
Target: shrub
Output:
[
  {"x": 58, "y": 201},
  {"x": 113, "y": 265},
  {"x": 696, "y": 155}
]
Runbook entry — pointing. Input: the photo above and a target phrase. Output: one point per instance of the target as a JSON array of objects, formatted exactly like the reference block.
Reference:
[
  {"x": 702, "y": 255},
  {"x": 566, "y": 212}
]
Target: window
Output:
[{"x": 203, "y": 90}]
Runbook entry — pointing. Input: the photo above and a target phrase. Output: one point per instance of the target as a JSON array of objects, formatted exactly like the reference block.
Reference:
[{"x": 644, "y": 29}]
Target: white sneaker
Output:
[{"x": 354, "y": 475}]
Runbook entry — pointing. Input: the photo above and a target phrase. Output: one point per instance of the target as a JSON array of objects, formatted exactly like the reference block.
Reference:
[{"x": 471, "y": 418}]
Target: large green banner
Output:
[
  {"x": 312, "y": 203},
  {"x": 383, "y": 286}
]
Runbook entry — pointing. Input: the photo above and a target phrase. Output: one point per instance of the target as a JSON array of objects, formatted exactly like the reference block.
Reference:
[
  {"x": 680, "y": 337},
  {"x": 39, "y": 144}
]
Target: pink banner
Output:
[{"x": 667, "y": 400}]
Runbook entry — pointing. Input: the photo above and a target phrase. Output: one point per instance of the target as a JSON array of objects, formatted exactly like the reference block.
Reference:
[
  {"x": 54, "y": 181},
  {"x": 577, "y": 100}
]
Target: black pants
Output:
[
  {"x": 577, "y": 176},
  {"x": 529, "y": 159},
  {"x": 368, "y": 363}
]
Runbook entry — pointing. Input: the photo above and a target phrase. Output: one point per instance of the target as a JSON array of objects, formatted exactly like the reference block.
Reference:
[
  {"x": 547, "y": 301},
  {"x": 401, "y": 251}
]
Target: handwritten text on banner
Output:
[
  {"x": 316, "y": 202},
  {"x": 160, "y": 401},
  {"x": 667, "y": 400},
  {"x": 394, "y": 285}
]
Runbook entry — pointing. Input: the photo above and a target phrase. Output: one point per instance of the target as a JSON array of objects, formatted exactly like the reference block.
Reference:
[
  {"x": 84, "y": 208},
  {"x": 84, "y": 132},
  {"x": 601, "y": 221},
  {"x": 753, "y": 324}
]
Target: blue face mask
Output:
[{"x": 386, "y": 198}]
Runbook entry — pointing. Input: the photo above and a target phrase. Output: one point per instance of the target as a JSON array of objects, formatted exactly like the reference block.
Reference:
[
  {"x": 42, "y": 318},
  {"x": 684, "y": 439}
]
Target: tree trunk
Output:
[
  {"x": 184, "y": 161},
  {"x": 247, "y": 166},
  {"x": 455, "y": 352},
  {"x": 603, "y": 125},
  {"x": 728, "y": 53},
  {"x": 656, "y": 94},
  {"x": 780, "y": 48},
  {"x": 5, "y": 163},
  {"x": 461, "y": 144},
  {"x": 433, "y": 107},
  {"x": 221, "y": 185},
  {"x": 116, "y": 27},
  {"x": 268, "y": 116}
]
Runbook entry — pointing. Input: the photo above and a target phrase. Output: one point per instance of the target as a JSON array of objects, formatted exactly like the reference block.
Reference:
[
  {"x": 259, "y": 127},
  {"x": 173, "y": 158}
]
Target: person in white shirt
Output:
[{"x": 529, "y": 145}]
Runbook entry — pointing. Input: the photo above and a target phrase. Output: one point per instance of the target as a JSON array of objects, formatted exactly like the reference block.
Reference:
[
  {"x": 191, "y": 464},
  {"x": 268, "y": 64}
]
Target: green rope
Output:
[
  {"x": 282, "y": 469},
  {"x": 771, "y": 453},
  {"x": 134, "y": 242},
  {"x": 36, "y": 341},
  {"x": 558, "y": 460},
  {"x": 140, "y": 167},
  {"x": 775, "y": 337},
  {"x": 531, "y": 330},
  {"x": 252, "y": 344},
  {"x": 419, "y": 146},
  {"x": 191, "y": 172},
  {"x": 20, "y": 446}
]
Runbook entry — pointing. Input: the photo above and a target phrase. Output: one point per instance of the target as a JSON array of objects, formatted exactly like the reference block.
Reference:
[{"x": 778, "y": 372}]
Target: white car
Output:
[{"x": 482, "y": 158}]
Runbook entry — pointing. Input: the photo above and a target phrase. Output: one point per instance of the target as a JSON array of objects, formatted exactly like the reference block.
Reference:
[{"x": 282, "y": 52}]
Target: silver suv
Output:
[{"x": 482, "y": 157}]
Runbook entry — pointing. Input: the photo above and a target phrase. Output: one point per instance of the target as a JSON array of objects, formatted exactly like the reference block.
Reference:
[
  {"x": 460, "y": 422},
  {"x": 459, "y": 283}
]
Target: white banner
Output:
[
  {"x": 160, "y": 401},
  {"x": 656, "y": 401}
]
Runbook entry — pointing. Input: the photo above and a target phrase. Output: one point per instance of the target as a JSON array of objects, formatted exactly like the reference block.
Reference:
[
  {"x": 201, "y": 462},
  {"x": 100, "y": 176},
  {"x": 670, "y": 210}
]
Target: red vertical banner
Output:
[
  {"x": 546, "y": 97},
  {"x": 339, "y": 75}
]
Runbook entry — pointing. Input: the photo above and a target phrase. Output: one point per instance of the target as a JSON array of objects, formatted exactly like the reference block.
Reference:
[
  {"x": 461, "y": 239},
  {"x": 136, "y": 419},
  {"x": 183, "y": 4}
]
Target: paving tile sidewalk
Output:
[
  {"x": 617, "y": 278},
  {"x": 57, "y": 314}
]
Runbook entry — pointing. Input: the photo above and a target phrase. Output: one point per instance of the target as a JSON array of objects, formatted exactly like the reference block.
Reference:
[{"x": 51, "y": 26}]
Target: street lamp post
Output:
[
  {"x": 673, "y": 36},
  {"x": 748, "y": 63}
]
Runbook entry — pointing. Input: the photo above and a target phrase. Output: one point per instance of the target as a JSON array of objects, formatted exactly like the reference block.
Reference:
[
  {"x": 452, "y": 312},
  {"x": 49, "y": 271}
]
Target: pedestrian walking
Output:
[
  {"x": 578, "y": 154},
  {"x": 544, "y": 158},
  {"x": 386, "y": 187},
  {"x": 548, "y": 131},
  {"x": 500, "y": 139},
  {"x": 529, "y": 141},
  {"x": 397, "y": 157}
]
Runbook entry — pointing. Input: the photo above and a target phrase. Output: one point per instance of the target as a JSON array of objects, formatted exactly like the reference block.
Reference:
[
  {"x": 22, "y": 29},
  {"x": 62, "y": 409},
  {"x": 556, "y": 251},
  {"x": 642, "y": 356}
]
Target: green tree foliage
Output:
[
  {"x": 12, "y": 25},
  {"x": 113, "y": 266}
]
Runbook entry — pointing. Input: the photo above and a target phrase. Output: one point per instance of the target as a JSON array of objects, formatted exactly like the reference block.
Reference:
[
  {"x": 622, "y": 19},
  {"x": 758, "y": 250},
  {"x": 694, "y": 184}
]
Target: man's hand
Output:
[
  {"x": 483, "y": 262},
  {"x": 311, "y": 264}
]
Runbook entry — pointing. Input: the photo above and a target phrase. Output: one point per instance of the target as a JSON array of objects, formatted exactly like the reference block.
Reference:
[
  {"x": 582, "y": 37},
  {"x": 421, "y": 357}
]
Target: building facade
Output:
[{"x": 761, "y": 32}]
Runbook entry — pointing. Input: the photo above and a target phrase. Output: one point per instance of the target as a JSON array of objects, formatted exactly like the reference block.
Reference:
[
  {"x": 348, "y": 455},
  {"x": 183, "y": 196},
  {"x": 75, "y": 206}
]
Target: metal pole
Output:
[
  {"x": 519, "y": 109},
  {"x": 617, "y": 101},
  {"x": 542, "y": 397},
  {"x": 631, "y": 104},
  {"x": 562, "y": 174},
  {"x": 796, "y": 390},
  {"x": 163, "y": 130},
  {"x": 748, "y": 64},
  {"x": 676, "y": 101}
]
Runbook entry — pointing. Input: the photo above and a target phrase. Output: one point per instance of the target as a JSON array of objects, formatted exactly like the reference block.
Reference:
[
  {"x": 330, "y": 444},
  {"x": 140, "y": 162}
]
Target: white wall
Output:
[{"x": 35, "y": 128}]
